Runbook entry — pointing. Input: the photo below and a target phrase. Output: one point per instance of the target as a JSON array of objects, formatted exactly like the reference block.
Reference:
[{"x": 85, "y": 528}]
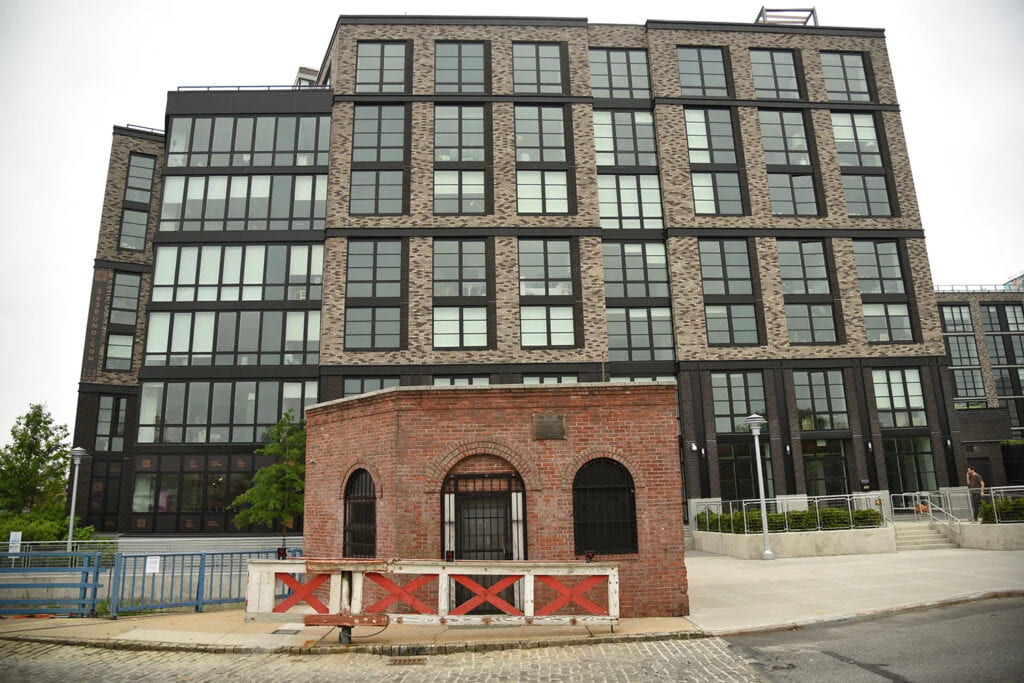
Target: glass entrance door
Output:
[{"x": 825, "y": 467}]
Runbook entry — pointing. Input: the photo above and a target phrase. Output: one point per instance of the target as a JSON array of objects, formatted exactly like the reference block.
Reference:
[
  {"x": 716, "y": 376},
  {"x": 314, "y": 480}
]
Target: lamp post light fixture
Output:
[
  {"x": 755, "y": 422},
  {"x": 77, "y": 453}
]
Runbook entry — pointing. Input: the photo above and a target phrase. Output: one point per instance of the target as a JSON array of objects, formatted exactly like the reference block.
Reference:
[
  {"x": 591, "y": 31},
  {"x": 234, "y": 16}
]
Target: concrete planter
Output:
[
  {"x": 992, "y": 536},
  {"x": 799, "y": 544}
]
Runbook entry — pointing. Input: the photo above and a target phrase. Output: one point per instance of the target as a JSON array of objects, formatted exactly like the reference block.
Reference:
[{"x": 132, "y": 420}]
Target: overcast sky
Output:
[{"x": 74, "y": 69}]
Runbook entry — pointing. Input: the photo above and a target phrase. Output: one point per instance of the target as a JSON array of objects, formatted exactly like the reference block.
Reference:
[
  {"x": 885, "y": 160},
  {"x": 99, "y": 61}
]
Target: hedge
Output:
[{"x": 797, "y": 520}]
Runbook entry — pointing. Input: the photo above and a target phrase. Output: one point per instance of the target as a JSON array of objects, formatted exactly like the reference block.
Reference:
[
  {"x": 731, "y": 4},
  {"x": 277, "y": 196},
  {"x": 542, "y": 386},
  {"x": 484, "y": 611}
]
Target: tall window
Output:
[
  {"x": 1004, "y": 336},
  {"x": 625, "y": 138},
  {"x": 461, "y": 286},
  {"x": 538, "y": 68},
  {"x": 124, "y": 301},
  {"x": 962, "y": 350},
  {"x": 861, "y": 157},
  {"x": 714, "y": 162},
  {"x": 728, "y": 282},
  {"x": 846, "y": 78},
  {"x": 360, "y": 516},
  {"x": 375, "y": 295},
  {"x": 821, "y": 400},
  {"x": 619, "y": 74},
  {"x": 544, "y": 167},
  {"x": 775, "y": 75},
  {"x": 381, "y": 67},
  {"x": 548, "y": 303},
  {"x": 702, "y": 71},
  {"x": 630, "y": 202},
  {"x": 604, "y": 509},
  {"x": 461, "y": 68},
  {"x": 807, "y": 292},
  {"x": 883, "y": 291},
  {"x": 133, "y": 230},
  {"x": 787, "y": 154},
  {"x": 119, "y": 352},
  {"x": 139, "y": 185},
  {"x": 736, "y": 395},
  {"x": 899, "y": 397},
  {"x": 909, "y": 464},
  {"x": 110, "y": 423},
  {"x": 379, "y": 160},
  {"x": 640, "y": 333},
  {"x": 461, "y": 154}
]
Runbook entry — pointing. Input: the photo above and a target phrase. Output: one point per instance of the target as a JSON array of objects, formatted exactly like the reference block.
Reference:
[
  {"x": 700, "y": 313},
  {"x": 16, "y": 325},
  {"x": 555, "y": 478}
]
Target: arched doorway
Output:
[{"x": 484, "y": 519}]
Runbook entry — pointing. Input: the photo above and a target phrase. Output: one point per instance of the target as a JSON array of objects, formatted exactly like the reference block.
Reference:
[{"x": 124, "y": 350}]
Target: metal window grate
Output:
[
  {"x": 360, "y": 516},
  {"x": 604, "y": 508}
]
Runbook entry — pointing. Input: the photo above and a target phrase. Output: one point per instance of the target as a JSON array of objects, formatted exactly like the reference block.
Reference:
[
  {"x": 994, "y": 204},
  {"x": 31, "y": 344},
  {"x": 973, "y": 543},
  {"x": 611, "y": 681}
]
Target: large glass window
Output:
[
  {"x": 774, "y": 74},
  {"x": 888, "y": 322},
  {"x": 218, "y": 412},
  {"x": 124, "y": 301},
  {"x": 866, "y": 195},
  {"x": 461, "y": 153},
  {"x": 702, "y": 71},
  {"x": 460, "y": 68},
  {"x": 381, "y": 67},
  {"x": 807, "y": 291},
  {"x": 735, "y": 396},
  {"x": 792, "y": 194},
  {"x": 379, "y": 159},
  {"x": 878, "y": 267},
  {"x": 856, "y": 139},
  {"x": 119, "y": 352},
  {"x": 825, "y": 467},
  {"x": 204, "y": 141},
  {"x": 537, "y": 68},
  {"x": 899, "y": 397},
  {"x": 233, "y": 338},
  {"x": 737, "y": 472},
  {"x": 619, "y": 73},
  {"x": 625, "y": 138},
  {"x": 604, "y": 509},
  {"x": 111, "y": 419},
  {"x": 714, "y": 161},
  {"x": 139, "y": 184},
  {"x": 232, "y": 203},
  {"x": 909, "y": 464},
  {"x": 821, "y": 400},
  {"x": 728, "y": 283},
  {"x": 846, "y": 79},
  {"x": 547, "y": 326},
  {"x": 640, "y": 333},
  {"x": 133, "y": 230},
  {"x": 635, "y": 270},
  {"x": 375, "y": 285},
  {"x": 630, "y": 202},
  {"x": 254, "y": 272},
  {"x": 541, "y": 134}
]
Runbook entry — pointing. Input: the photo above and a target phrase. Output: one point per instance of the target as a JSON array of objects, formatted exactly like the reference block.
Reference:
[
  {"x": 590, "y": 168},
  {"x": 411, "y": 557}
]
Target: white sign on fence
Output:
[
  {"x": 152, "y": 564},
  {"x": 14, "y": 542}
]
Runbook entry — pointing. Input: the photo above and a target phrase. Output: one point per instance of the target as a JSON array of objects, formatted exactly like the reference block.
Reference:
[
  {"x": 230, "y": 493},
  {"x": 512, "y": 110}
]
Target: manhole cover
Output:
[{"x": 406, "y": 661}]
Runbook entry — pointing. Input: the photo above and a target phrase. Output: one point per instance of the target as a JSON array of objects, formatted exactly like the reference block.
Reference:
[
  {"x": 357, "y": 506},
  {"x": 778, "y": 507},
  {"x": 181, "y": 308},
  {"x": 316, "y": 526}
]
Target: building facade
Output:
[{"x": 467, "y": 200}]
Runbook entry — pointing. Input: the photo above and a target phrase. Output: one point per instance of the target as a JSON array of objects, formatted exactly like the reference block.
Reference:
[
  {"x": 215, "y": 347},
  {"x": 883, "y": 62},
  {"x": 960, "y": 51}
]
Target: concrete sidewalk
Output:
[{"x": 727, "y": 596}]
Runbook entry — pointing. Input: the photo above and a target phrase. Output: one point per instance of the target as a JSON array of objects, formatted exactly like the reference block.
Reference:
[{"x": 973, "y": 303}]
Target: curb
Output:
[
  {"x": 380, "y": 650},
  {"x": 867, "y": 616}
]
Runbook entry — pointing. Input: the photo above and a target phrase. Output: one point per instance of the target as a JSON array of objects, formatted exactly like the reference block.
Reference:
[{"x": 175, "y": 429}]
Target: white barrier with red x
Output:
[{"x": 425, "y": 592}]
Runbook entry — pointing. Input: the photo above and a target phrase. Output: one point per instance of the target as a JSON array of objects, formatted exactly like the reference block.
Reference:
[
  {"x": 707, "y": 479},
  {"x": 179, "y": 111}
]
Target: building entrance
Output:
[{"x": 484, "y": 521}]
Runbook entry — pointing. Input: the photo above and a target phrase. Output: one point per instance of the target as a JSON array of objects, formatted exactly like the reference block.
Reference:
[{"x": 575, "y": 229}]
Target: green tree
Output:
[
  {"x": 34, "y": 466},
  {"x": 277, "y": 493}
]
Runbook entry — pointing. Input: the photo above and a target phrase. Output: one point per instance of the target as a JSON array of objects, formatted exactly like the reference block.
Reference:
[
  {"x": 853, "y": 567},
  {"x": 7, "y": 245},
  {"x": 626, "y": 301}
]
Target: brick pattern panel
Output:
[{"x": 113, "y": 200}]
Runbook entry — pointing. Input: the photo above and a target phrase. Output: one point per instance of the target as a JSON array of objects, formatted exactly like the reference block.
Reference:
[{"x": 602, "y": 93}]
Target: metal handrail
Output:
[
  {"x": 1004, "y": 493},
  {"x": 849, "y": 502}
]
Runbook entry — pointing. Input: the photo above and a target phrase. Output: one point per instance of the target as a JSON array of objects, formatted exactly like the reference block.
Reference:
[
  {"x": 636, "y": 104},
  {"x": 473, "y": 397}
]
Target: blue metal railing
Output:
[
  {"x": 62, "y": 588},
  {"x": 169, "y": 580}
]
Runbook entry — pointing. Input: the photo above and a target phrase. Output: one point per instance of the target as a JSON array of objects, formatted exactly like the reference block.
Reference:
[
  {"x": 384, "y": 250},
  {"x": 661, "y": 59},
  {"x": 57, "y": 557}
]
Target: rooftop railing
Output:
[
  {"x": 133, "y": 126},
  {"x": 247, "y": 88},
  {"x": 972, "y": 288}
]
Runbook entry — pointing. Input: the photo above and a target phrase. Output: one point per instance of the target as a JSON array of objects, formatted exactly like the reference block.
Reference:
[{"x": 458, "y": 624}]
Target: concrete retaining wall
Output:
[
  {"x": 799, "y": 544},
  {"x": 992, "y": 536}
]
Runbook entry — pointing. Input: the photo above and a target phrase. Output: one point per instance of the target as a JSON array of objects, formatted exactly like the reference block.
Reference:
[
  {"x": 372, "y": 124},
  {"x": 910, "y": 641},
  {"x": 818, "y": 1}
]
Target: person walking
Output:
[{"x": 976, "y": 486}]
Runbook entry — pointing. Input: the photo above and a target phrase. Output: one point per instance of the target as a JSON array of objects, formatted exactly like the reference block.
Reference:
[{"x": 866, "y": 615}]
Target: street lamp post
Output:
[
  {"x": 755, "y": 422},
  {"x": 77, "y": 453}
]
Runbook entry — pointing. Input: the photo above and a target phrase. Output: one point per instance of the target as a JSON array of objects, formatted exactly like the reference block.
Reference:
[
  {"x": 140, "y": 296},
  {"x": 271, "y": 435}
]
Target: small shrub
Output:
[
  {"x": 835, "y": 518},
  {"x": 867, "y": 518},
  {"x": 802, "y": 520},
  {"x": 1010, "y": 510}
]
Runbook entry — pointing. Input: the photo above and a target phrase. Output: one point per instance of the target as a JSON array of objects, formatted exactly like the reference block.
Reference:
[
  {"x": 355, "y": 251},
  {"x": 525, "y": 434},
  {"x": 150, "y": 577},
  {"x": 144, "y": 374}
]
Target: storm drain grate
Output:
[
  {"x": 286, "y": 632},
  {"x": 406, "y": 661}
]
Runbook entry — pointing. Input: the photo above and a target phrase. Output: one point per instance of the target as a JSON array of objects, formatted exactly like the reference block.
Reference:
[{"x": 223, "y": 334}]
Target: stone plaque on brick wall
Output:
[{"x": 548, "y": 426}]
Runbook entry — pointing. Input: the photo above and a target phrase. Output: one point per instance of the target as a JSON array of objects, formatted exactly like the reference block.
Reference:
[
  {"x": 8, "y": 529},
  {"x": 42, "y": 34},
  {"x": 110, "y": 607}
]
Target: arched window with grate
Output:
[
  {"x": 604, "y": 509},
  {"x": 360, "y": 516}
]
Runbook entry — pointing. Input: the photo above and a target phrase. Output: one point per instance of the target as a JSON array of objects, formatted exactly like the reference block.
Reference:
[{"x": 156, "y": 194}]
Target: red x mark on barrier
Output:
[
  {"x": 301, "y": 592},
  {"x": 402, "y": 593},
  {"x": 485, "y": 595},
  {"x": 568, "y": 595}
]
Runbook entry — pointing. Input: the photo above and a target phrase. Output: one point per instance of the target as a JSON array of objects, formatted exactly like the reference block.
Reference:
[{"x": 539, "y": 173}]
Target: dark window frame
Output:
[
  {"x": 635, "y": 92},
  {"x": 820, "y": 389},
  {"x": 485, "y": 299},
  {"x": 460, "y": 84},
  {"x": 717, "y": 170},
  {"x": 520, "y": 87},
  {"x": 573, "y": 299},
  {"x": 612, "y": 529},
  {"x": 727, "y": 298},
  {"x": 871, "y": 95},
  {"x": 378, "y": 302},
  {"x": 809, "y": 273},
  {"x": 704, "y": 87},
  {"x": 798, "y": 76},
  {"x": 407, "y": 68},
  {"x": 360, "y": 531}
]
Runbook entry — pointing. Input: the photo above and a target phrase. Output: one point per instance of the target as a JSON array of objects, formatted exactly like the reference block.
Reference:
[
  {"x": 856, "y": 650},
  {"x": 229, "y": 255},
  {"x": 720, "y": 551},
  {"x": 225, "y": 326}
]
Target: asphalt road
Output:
[{"x": 976, "y": 642}]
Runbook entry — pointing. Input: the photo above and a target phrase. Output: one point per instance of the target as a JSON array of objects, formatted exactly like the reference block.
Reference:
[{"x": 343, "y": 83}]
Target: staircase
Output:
[{"x": 920, "y": 536}]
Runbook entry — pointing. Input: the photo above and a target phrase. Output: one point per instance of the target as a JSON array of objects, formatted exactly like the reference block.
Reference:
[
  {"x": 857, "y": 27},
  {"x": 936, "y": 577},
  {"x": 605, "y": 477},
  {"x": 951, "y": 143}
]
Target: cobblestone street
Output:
[{"x": 709, "y": 659}]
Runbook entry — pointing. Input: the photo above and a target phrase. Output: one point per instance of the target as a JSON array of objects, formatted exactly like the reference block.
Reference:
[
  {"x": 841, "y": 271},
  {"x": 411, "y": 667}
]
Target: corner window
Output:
[{"x": 139, "y": 185}]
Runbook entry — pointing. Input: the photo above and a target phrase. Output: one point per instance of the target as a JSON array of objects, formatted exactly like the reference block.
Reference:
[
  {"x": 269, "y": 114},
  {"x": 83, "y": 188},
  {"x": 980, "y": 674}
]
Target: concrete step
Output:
[{"x": 921, "y": 537}]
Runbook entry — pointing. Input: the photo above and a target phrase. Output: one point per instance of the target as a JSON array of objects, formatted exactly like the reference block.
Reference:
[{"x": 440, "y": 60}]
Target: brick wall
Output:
[{"x": 410, "y": 439}]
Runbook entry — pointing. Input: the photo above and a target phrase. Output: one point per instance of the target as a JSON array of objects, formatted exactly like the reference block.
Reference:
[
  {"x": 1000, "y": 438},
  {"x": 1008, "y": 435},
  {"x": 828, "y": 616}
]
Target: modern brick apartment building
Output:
[{"x": 472, "y": 200}]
